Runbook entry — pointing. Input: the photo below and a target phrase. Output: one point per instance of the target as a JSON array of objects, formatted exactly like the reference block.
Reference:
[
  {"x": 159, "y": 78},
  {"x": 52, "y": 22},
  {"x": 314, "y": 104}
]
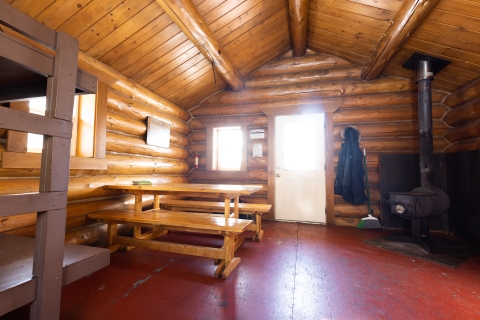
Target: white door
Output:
[{"x": 300, "y": 168}]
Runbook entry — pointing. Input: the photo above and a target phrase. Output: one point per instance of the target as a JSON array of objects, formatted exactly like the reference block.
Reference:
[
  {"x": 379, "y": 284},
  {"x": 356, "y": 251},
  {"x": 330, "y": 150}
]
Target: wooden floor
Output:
[{"x": 298, "y": 271}]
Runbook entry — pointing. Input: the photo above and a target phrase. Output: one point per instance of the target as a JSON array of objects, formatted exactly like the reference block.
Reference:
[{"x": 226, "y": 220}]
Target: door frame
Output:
[{"x": 329, "y": 173}]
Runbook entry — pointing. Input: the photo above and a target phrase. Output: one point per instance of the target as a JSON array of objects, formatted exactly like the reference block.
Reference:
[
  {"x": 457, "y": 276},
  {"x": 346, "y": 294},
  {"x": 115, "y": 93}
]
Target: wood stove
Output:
[{"x": 425, "y": 201}]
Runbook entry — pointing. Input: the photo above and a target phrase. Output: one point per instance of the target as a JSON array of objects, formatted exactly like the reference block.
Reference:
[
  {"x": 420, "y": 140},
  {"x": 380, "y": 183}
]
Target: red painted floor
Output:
[{"x": 298, "y": 271}]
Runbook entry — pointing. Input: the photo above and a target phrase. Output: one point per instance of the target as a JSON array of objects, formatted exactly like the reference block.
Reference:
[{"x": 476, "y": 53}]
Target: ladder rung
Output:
[{"x": 13, "y": 204}]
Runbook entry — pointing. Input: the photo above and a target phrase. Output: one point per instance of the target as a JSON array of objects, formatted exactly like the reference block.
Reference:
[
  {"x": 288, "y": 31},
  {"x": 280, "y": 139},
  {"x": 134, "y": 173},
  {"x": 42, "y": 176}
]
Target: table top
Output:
[{"x": 191, "y": 187}]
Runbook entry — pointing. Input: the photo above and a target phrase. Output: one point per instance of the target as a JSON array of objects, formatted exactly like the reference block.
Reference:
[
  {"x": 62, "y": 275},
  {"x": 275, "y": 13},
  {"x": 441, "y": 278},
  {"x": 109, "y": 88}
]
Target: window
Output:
[
  {"x": 88, "y": 134},
  {"x": 226, "y": 147}
]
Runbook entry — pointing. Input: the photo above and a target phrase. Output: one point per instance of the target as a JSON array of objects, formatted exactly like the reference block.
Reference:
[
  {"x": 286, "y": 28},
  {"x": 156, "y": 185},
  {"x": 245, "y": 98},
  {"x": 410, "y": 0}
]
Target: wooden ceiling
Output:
[{"x": 140, "y": 40}]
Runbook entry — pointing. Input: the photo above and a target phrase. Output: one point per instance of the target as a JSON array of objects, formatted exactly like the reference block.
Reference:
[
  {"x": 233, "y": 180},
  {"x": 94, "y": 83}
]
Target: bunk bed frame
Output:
[{"x": 34, "y": 270}]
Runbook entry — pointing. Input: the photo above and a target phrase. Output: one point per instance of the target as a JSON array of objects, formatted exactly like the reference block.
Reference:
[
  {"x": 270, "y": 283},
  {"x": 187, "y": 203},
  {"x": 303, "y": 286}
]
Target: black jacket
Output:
[{"x": 349, "y": 180}]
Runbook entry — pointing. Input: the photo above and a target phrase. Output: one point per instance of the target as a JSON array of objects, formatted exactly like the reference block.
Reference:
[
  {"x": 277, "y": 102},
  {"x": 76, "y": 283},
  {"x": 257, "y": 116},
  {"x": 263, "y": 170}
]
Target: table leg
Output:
[
  {"x": 235, "y": 207},
  {"x": 138, "y": 202},
  {"x": 230, "y": 261},
  {"x": 156, "y": 201},
  {"x": 227, "y": 207},
  {"x": 137, "y": 230}
]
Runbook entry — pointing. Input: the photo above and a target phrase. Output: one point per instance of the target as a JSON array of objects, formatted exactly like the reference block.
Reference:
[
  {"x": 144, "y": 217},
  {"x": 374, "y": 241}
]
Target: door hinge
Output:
[
  {"x": 325, "y": 210},
  {"x": 325, "y": 167}
]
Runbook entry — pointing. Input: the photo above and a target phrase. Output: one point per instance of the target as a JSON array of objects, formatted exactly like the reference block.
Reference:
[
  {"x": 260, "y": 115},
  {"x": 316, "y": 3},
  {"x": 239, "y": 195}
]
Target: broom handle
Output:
[{"x": 366, "y": 180}]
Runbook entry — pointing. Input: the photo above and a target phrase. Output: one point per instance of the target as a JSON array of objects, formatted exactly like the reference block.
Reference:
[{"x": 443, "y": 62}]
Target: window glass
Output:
[
  {"x": 228, "y": 148},
  {"x": 35, "y": 141},
  {"x": 298, "y": 154}
]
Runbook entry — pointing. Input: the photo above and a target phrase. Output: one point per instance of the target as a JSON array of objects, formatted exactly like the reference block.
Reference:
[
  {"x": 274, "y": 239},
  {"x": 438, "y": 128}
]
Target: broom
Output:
[{"x": 369, "y": 222}]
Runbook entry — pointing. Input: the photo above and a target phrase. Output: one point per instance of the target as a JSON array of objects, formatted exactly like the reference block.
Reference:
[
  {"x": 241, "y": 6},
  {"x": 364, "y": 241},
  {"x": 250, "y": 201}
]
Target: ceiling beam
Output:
[
  {"x": 407, "y": 19},
  {"x": 189, "y": 20},
  {"x": 298, "y": 10}
]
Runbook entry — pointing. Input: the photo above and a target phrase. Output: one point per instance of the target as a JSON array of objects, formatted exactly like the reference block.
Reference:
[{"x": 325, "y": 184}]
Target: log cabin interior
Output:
[{"x": 224, "y": 83}]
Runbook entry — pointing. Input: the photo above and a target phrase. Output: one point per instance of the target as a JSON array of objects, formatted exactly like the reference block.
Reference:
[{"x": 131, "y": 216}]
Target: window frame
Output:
[
  {"x": 211, "y": 125},
  {"x": 210, "y": 157},
  {"x": 29, "y": 160}
]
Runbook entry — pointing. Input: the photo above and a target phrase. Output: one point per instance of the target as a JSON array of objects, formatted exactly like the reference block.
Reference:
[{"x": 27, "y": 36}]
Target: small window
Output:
[
  {"x": 227, "y": 149},
  {"x": 88, "y": 134},
  {"x": 83, "y": 130}
]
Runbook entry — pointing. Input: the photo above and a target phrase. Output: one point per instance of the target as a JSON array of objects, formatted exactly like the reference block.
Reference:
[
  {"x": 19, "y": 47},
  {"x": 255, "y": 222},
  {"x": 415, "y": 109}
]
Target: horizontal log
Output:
[
  {"x": 467, "y": 131},
  {"x": 198, "y": 136},
  {"x": 87, "y": 187},
  {"x": 348, "y": 102},
  {"x": 88, "y": 236},
  {"x": 312, "y": 90},
  {"x": 350, "y": 210},
  {"x": 256, "y": 121},
  {"x": 225, "y": 110},
  {"x": 463, "y": 95},
  {"x": 136, "y": 110},
  {"x": 239, "y": 176},
  {"x": 354, "y": 116},
  {"x": 386, "y": 145},
  {"x": 304, "y": 77},
  {"x": 388, "y": 99},
  {"x": 392, "y": 129},
  {"x": 307, "y": 63},
  {"x": 201, "y": 147},
  {"x": 71, "y": 223},
  {"x": 295, "y": 106},
  {"x": 465, "y": 145},
  {"x": 463, "y": 114},
  {"x": 122, "y": 124},
  {"x": 133, "y": 145},
  {"x": 201, "y": 136},
  {"x": 122, "y": 164},
  {"x": 374, "y": 194},
  {"x": 346, "y": 222}
]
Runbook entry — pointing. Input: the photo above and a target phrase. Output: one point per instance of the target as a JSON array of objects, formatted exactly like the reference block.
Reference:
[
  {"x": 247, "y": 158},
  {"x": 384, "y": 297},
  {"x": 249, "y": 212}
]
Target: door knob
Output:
[{"x": 278, "y": 174}]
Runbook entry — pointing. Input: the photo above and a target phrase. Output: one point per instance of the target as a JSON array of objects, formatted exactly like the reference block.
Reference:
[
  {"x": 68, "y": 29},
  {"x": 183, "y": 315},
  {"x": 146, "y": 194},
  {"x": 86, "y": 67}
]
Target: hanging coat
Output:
[{"x": 349, "y": 180}]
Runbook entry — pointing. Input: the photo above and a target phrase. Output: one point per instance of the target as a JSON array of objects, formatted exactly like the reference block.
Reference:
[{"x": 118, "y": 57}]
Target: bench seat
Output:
[
  {"x": 257, "y": 209},
  {"x": 185, "y": 221}
]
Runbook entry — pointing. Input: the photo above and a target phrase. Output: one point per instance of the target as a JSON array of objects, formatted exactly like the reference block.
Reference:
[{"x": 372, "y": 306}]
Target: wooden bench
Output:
[
  {"x": 257, "y": 209},
  {"x": 182, "y": 221}
]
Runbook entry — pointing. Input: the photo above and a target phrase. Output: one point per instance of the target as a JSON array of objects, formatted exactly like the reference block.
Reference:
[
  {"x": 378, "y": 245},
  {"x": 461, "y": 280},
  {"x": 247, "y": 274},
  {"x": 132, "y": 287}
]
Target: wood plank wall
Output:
[
  {"x": 384, "y": 111},
  {"x": 128, "y": 159}
]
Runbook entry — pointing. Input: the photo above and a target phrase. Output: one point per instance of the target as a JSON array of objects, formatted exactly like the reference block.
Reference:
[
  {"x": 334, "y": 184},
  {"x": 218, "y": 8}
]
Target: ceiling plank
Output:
[
  {"x": 186, "y": 16},
  {"x": 408, "y": 18},
  {"x": 298, "y": 10}
]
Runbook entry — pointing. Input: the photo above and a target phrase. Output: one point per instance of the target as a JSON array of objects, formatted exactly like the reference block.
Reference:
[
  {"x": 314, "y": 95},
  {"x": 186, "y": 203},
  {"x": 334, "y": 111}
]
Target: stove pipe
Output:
[{"x": 424, "y": 78}]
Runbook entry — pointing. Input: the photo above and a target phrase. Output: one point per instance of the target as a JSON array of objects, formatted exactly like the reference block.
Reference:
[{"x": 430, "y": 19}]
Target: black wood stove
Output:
[{"x": 425, "y": 201}]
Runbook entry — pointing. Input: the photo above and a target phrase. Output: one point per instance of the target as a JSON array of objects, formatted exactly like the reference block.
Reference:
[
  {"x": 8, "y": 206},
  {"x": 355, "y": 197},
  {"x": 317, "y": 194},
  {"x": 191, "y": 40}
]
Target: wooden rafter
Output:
[
  {"x": 407, "y": 19},
  {"x": 298, "y": 10},
  {"x": 189, "y": 20}
]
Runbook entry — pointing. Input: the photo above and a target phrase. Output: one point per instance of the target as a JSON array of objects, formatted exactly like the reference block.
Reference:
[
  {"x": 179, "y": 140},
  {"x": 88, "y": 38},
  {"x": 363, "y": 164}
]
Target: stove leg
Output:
[{"x": 419, "y": 228}]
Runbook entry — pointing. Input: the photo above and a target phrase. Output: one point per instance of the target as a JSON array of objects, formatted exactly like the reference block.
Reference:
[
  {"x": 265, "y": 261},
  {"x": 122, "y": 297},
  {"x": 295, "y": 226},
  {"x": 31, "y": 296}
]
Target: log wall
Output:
[
  {"x": 464, "y": 117},
  {"x": 385, "y": 112},
  {"x": 128, "y": 158}
]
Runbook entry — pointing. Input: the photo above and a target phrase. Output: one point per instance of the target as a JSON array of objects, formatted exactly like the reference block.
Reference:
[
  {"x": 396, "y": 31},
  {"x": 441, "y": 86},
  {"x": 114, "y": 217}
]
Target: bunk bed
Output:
[{"x": 34, "y": 270}]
